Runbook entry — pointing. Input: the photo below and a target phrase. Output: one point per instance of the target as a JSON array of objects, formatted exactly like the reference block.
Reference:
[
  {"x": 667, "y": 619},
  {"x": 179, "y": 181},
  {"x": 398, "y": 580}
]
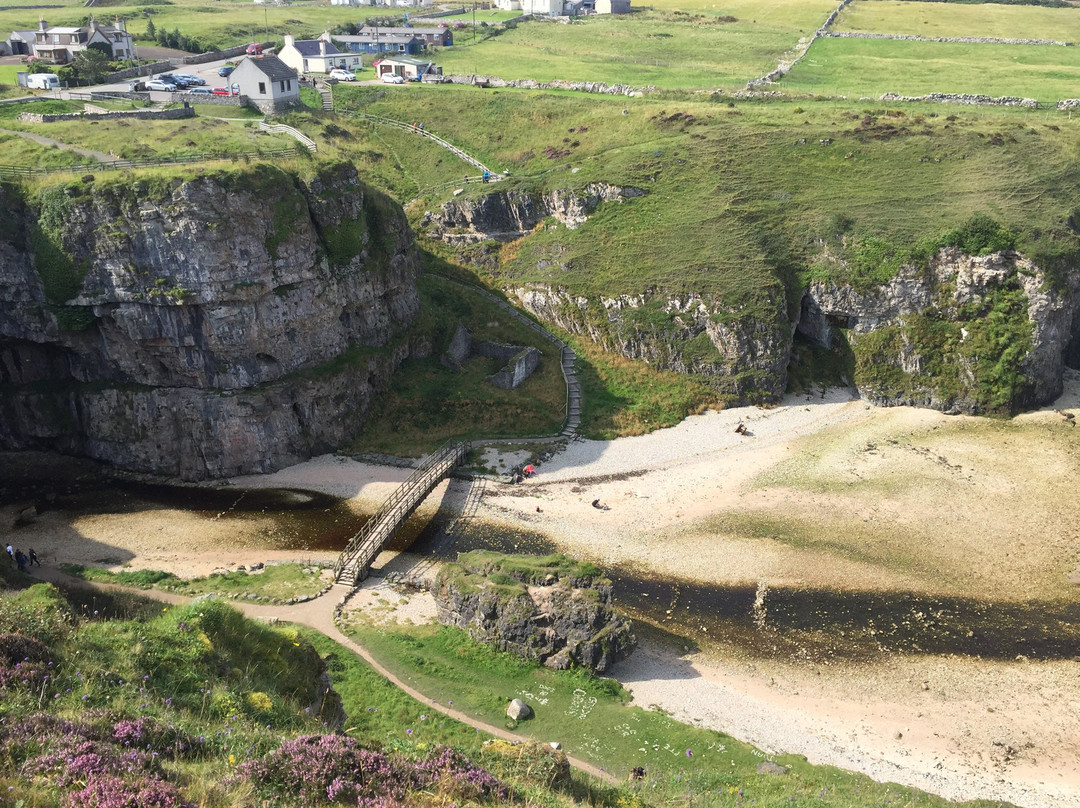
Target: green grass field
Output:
[
  {"x": 137, "y": 140},
  {"x": 961, "y": 19},
  {"x": 668, "y": 49},
  {"x": 858, "y": 67}
]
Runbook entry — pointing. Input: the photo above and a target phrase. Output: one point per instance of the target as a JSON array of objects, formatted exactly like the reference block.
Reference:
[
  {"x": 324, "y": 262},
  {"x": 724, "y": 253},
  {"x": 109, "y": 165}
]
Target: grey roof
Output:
[
  {"x": 406, "y": 30},
  {"x": 361, "y": 39},
  {"x": 25, "y": 36},
  {"x": 274, "y": 68},
  {"x": 310, "y": 47}
]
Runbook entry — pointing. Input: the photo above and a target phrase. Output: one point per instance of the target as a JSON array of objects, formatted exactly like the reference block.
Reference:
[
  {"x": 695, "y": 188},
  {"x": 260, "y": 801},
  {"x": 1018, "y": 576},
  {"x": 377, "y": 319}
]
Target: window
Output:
[
  {"x": 288, "y": 85},
  {"x": 262, "y": 88},
  {"x": 401, "y": 48}
]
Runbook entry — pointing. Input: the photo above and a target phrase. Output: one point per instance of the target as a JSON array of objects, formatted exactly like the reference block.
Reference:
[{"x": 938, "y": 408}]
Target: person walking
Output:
[
  {"x": 34, "y": 558},
  {"x": 11, "y": 553},
  {"x": 21, "y": 560}
]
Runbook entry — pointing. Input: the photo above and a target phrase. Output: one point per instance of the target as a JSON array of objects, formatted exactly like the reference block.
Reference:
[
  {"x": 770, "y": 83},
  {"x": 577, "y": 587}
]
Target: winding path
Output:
[
  {"x": 100, "y": 157},
  {"x": 318, "y": 614}
]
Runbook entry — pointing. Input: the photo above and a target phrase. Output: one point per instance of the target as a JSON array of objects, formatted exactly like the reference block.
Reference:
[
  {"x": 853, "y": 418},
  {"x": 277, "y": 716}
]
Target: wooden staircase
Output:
[{"x": 354, "y": 563}]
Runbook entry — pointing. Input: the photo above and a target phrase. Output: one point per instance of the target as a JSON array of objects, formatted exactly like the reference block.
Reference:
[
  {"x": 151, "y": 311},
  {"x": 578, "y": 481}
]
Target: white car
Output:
[
  {"x": 393, "y": 78},
  {"x": 160, "y": 85},
  {"x": 342, "y": 75}
]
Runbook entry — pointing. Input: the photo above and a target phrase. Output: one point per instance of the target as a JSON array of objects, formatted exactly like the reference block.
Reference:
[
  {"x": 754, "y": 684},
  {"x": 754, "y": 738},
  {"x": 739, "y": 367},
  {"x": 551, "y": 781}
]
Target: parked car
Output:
[
  {"x": 226, "y": 70},
  {"x": 190, "y": 79},
  {"x": 254, "y": 49},
  {"x": 172, "y": 78},
  {"x": 221, "y": 91},
  {"x": 340, "y": 74},
  {"x": 200, "y": 91},
  {"x": 393, "y": 78},
  {"x": 163, "y": 86}
]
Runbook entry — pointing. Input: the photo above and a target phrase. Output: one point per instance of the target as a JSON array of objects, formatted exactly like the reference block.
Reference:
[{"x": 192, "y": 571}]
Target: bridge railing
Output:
[{"x": 384, "y": 521}]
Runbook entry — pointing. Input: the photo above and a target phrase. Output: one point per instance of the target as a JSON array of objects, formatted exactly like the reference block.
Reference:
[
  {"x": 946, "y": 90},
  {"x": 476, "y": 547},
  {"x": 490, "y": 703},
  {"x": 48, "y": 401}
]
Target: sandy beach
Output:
[{"x": 825, "y": 492}]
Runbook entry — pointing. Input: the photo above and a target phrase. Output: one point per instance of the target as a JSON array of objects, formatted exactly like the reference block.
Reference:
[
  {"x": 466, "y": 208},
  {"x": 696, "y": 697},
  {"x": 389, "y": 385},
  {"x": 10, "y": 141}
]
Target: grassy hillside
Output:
[
  {"x": 670, "y": 49},
  {"x": 113, "y": 700},
  {"x": 740, "y": 195}
]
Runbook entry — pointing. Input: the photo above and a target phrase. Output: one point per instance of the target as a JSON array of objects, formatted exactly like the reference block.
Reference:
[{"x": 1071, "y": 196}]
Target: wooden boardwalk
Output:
[{"x": 354, "y": 563}]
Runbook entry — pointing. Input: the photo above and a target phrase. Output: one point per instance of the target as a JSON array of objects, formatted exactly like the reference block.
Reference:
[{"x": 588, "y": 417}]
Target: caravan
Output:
[{"x": 42, "y": 81}]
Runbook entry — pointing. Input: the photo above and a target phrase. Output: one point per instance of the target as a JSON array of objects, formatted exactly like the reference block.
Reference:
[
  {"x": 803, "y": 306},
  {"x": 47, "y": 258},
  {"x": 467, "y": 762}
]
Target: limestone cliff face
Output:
[
  {"x": 507, "y": 215},
  {"x": 226, "y": 324},
  {"x": 966, "y": 334},
  {"x": 745, "y": 356}
]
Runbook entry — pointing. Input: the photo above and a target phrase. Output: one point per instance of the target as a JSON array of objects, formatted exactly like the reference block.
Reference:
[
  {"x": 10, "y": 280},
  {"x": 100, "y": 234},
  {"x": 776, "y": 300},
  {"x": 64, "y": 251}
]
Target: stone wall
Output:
[
  {"x": 141, "y": 70},
  {"x": 217, "y": 100},
  {"x": 967, "y": 99},
  {"x": 212, "y": 56},
  {"x": 531, "y": 84},
  {"x": 139, "y": 114},
  {"x": 971, "y": 40}
]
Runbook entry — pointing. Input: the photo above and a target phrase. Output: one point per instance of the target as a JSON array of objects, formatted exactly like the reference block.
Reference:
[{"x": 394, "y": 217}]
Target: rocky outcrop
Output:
[
  {"x": 965, "y": 334},
  {"x": 517, "y": 369},
  {"x": 507, "y": 215},
  {"x": 201, "y": 328},
  {"x": 743, "y": 354},
  {"x": 544, "y": 613}
]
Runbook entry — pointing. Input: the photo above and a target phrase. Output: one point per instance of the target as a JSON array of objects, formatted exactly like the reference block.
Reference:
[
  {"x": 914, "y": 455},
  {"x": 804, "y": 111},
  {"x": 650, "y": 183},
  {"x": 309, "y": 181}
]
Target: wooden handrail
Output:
[{"x": 368, "y": 541}]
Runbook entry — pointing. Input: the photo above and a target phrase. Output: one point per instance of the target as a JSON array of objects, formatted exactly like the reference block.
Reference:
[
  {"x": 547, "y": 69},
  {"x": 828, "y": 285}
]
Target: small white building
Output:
[
  {"x": 612, "y": 6},
  {"x": 316, "y": 56},
  {"x": 408, "y": 67},
  {"x": 269, "y": 83}
]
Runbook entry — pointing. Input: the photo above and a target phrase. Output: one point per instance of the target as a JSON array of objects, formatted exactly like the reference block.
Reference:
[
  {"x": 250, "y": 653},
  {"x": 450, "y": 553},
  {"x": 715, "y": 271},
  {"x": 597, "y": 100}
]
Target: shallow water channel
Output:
[{"x": 754, "y": 620}]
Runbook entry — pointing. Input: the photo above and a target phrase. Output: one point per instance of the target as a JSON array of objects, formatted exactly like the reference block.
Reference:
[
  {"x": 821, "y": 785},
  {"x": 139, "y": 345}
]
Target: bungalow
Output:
[
  {"x": 269, "y": 83},
  {"x": 60, "y": 45},
  {"x": 386, "y": 39},
  {"x": 407, "y": 67},
  {"x": 315, "y": 55},
  {"x": 380, "y": 42}
]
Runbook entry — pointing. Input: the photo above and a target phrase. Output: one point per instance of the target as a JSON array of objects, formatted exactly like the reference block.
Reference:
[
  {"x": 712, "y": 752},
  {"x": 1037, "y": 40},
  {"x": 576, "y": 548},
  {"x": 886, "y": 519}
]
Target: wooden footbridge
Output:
[{"x": 354, "y": 563}]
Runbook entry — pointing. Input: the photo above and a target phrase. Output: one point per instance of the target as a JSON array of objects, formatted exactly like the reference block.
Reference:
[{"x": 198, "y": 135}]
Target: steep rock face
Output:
[
  {"x": 558, "y": 622},
  {"x": 967, "y": 334},
  {"x": 507, "y": 215},
  {"x": 745, "y": 356},
  {"x": 201, "y": 328}
]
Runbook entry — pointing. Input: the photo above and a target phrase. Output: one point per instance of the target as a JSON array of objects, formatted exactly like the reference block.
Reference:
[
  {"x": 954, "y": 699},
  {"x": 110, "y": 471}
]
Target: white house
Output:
[
  {"x": 269, "y": 83},
  {"x": 318, "y": 56},
  {"x": 60, "y": 45},
  {"x": 544, "y": 8}
]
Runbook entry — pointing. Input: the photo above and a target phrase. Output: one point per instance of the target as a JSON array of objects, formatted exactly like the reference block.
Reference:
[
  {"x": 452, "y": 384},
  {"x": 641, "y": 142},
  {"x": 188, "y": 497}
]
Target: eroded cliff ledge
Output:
[
  {"x": 230, "y": 323},
  {"x": 988, "y": 333}
]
